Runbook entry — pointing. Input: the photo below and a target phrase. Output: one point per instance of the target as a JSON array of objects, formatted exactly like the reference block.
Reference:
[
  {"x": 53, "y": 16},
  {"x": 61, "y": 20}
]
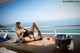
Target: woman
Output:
[{"x": 27, "y": 35}]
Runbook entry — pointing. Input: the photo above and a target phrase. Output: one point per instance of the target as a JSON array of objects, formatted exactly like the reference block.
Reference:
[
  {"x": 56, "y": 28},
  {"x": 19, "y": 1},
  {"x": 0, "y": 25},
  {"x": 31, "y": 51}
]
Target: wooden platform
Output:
[{"x": 41, "y": 46}]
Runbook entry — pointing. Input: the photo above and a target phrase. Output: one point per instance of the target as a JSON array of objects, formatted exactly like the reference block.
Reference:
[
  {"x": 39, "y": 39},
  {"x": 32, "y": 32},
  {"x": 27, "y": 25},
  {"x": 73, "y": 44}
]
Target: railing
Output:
[
  {"x": 7, "y": 30},
  {"x": 51, "y": 29}
]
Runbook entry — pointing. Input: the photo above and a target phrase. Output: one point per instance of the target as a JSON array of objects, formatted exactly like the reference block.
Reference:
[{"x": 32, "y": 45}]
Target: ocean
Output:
[
  {"x": 58, "y": 29},
  {"x": 60, "y": 26}
]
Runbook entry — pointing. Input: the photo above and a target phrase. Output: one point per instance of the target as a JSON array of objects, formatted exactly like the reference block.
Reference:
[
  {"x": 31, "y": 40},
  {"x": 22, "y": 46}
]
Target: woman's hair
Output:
[{"x": 18, "y": 25}]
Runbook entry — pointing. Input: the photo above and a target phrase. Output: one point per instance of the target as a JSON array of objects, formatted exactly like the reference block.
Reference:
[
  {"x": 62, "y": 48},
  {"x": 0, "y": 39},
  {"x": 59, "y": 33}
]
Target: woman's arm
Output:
[
  {"x": 24, "y": 28},
  {"x": 18, "y": 34}
]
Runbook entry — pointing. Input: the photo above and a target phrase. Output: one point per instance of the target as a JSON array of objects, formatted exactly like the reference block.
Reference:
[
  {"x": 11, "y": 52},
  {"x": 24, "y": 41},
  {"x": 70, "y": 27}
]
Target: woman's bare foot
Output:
[{"x": 37, "y": 38}]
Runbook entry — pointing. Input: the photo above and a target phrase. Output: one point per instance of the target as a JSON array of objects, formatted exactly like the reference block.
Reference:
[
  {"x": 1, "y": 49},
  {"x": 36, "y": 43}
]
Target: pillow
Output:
[{"x": 3, "y": 35}]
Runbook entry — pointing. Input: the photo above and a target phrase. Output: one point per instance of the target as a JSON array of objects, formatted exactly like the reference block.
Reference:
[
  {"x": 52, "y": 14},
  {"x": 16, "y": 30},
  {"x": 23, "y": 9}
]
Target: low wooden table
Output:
[
  {"x": 34, "y": 47},
  {"x": 40, "y": 46}
]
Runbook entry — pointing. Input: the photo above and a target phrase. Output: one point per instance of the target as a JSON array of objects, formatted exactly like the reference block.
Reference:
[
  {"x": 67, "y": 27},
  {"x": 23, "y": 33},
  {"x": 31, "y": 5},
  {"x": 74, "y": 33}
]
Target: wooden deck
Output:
[{"x": 41, "y": 46}]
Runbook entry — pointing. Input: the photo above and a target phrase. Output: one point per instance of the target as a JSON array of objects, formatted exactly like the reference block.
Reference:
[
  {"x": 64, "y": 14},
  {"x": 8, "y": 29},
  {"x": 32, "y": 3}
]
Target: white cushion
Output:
[{"x": 3, "y": 35}]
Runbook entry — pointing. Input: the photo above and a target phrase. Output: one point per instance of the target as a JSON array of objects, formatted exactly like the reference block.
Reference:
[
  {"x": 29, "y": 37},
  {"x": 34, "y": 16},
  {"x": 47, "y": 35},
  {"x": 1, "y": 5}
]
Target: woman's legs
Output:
[
  {"x": 27, "y": 39},
  {"x": 34, "y": 26}
]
